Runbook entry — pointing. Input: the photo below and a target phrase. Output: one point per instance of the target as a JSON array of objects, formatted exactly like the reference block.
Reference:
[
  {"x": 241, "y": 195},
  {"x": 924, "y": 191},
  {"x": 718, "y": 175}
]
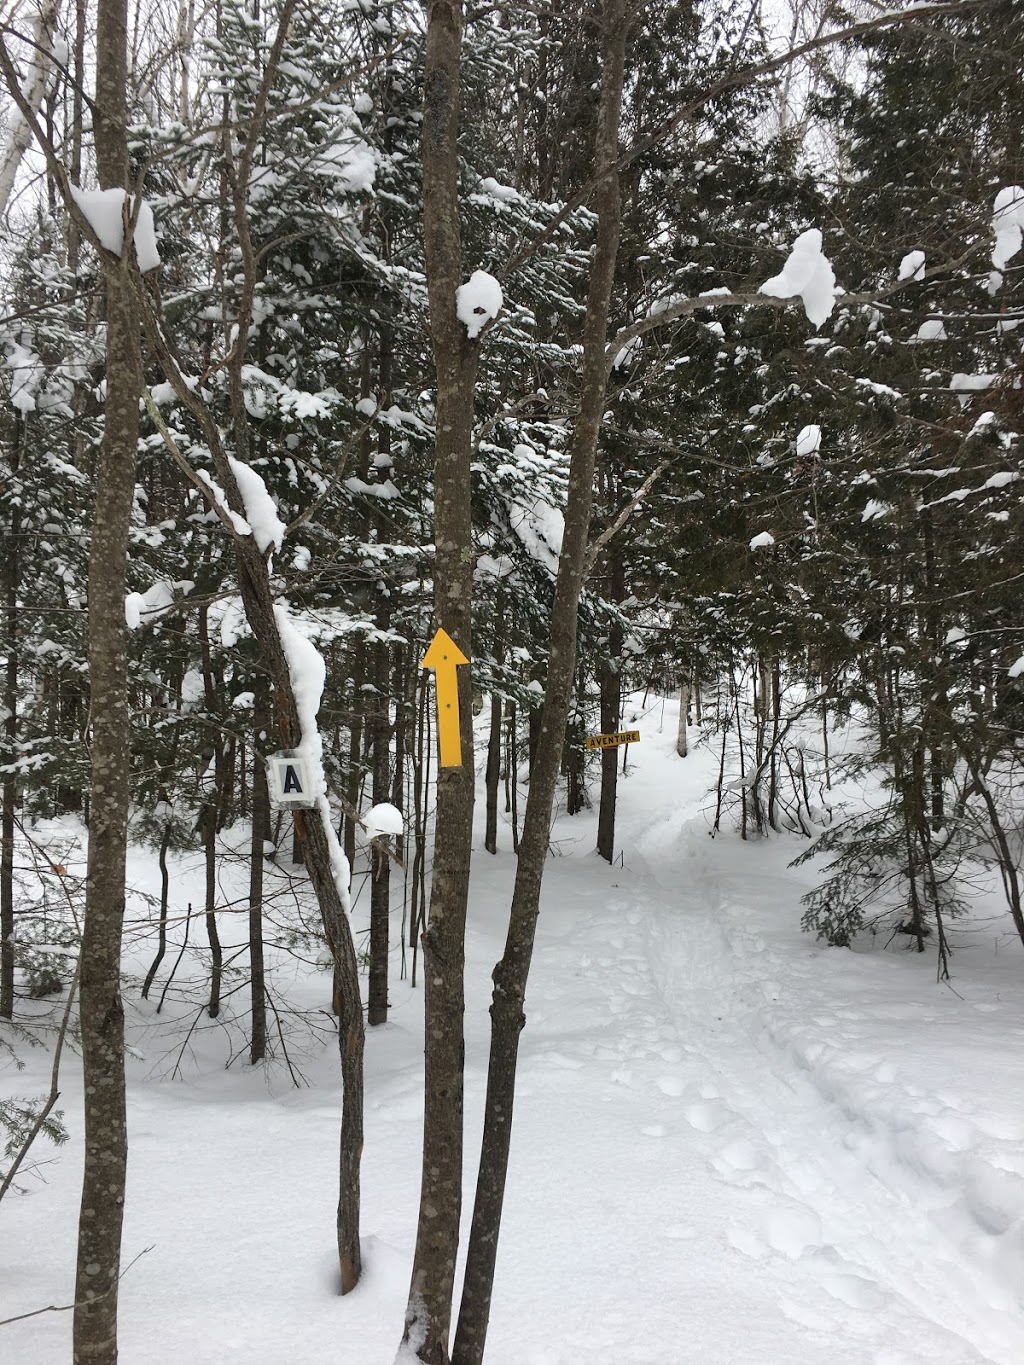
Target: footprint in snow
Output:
[
  {"x": 854, "y": 1291},
  {"x": 792, "y": 1231},
  {"x": 671, "y": 1085},
  {"x": 707, "y": 1116},
  {"x": 558, "y": 1061},
  {"x": 742, "y": 1156},
  {"x": 744, "y": 1239}
]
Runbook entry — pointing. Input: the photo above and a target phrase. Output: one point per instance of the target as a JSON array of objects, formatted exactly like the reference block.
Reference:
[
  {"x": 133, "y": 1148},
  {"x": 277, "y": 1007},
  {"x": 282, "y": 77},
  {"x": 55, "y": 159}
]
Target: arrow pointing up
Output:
[{"x": 444, "y": 656}]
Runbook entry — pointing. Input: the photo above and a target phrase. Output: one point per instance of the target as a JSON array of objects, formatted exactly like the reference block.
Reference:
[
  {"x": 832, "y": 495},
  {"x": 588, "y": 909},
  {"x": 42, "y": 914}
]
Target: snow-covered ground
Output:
[{"x": 732, "y": 1146}]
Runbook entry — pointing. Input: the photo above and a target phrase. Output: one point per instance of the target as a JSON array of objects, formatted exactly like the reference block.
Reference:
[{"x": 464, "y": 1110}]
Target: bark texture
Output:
[
  {"x": 102, "y": 1016},
  {"x": 510, "y": 975},
  {"x": 428, "y": 1317}
]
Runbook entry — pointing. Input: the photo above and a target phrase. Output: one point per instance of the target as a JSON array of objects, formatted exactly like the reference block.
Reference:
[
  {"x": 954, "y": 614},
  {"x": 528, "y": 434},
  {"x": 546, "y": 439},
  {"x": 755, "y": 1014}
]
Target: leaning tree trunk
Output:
[
  {"x": 101, "y": 1013},
  {"x": 510, "y": 975},
  {"x": 428, "y": 1316}
]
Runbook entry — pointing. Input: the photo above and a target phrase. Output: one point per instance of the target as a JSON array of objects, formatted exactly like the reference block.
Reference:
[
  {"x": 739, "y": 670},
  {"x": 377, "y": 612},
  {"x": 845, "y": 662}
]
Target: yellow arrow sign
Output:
[{"x": 444, "y": 656}]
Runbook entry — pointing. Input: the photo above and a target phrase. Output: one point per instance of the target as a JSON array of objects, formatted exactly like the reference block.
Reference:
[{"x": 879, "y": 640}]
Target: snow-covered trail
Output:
[
  {"x": 705, "y": 1202},
  {"x": 731, "y": 1146}
]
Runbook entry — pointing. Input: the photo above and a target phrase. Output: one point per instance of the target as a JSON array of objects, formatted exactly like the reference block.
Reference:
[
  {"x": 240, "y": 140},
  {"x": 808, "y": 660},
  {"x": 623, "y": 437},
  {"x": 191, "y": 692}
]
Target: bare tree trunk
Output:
[
  {"x": 210, "y": 818},
  {"x": 257, "y": 855},
  {"x": 684, "y": 709},
  {"x": 611, "y": 712},
  {"x": 101, "y": 1011},
  {"x": 428, "y": 1316},
  {"x": 492, "y": 776},
  {"x": 165, "y": 887},
  {"x": 380, "y": 861},
  {"x": 510, "y": 975},
  {"x": 10, "y": 785}
]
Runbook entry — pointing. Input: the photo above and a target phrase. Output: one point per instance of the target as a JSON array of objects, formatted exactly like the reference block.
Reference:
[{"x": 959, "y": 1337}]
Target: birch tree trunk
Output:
[
  {"x": 102, "y": 1016},
  {"x": 510, "y": 975},
  {"x": 19, "y": 138}
]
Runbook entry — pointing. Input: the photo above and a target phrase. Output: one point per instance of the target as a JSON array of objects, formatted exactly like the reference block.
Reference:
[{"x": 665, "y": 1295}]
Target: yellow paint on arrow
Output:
[{"x": 444, "y": 656}]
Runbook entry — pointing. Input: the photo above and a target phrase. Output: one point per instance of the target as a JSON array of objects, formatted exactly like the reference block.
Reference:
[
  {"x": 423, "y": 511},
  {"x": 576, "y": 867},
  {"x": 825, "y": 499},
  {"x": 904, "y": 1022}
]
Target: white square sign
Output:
[{"x": 290, "y": 781}]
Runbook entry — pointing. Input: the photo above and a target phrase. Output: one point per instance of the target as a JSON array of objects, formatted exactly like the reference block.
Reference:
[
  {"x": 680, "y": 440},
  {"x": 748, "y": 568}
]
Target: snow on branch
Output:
[
  {"x": 1008, "y": 229},
  {"x": 105, "y": 212},
  {"x": 308, "y": 673},
  {"x": 478, "y": 302},
  {"x": 808, "y": 274}
]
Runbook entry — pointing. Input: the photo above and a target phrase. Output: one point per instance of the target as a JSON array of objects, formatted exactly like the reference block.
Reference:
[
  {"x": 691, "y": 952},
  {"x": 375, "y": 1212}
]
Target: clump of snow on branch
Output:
[
  {"x": 478, "y": 302},
  {"x": 351, "y": 164},
  {"x": 105, "y": 212},
  {"x": 807, "y": 274},
  {"x": 505, "y": 193},
  {"x": 381, "y": 820},
  {"x": 1008, "y": 224},
  {"x": 140, "y": 608},
  {"x": 808, "y": 442},
  {"x": 1015, "y": 670},
  {"x": 260, "y": 509},
  {"x": 241, "y": 526},
  {"x": 762, "y": 541},
  {"x": 308, "y": 673},
  {"x": 27, "y": 375},
  {"x": 912, "y": 266},
  {"x": 627, "y": 354},
  {"x": 932, "y": 329}
]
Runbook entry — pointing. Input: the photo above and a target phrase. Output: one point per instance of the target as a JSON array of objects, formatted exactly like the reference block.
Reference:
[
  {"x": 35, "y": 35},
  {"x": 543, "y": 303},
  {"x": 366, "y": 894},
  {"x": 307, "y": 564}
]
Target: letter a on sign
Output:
[{"x": 289, "y": 782}]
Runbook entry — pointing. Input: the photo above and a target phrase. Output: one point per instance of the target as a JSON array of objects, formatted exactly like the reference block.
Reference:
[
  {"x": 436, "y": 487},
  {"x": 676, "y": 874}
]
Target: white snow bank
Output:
[
  {"x": 478, "y": 302},
  {"x": 809, "y": 274},
  {"x": 105, "y": 211}
]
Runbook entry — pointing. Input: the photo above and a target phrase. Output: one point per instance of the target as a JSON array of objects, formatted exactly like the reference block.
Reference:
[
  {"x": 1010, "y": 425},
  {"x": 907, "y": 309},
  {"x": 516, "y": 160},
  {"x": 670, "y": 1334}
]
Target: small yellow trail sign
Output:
[
  {"x": 444, "y": 656},
  {"x": 612, "y": 741}
]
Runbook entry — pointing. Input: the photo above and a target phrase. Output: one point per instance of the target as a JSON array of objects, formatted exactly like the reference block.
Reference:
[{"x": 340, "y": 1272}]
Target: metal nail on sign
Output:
[{"x": 290, "y": 781}]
